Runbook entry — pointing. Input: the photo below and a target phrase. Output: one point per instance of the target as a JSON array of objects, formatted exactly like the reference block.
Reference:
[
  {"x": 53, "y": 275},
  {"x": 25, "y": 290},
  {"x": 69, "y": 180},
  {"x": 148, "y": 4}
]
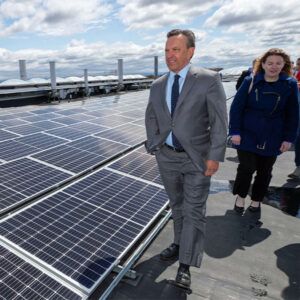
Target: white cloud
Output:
[
  {"x": 98, "y": 58},
  {"x": 146, "y": 14},
  {"x": 52, "y": 17},
  {"x": 267, "y": 23}
]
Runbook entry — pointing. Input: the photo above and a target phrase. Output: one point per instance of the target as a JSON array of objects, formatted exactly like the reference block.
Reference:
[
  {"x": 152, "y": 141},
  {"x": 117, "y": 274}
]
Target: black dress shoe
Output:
[
  {"x": 238, "y": 209},
  {"x": 171, "y": 252},
  {"x": 254, "y": 209},
  {"x": 183, "y": 278}
]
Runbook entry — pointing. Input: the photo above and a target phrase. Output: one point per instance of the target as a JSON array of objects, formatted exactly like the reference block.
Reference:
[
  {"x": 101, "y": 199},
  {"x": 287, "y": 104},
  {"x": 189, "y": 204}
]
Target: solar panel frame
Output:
[
  {"x": 23, "y": 280},
  {"x": 89, "y": 215}
]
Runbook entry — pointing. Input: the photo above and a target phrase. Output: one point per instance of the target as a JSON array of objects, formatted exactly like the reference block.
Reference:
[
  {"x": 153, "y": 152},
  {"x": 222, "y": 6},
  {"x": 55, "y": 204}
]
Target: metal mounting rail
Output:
[{"x": 136, "y": 255}]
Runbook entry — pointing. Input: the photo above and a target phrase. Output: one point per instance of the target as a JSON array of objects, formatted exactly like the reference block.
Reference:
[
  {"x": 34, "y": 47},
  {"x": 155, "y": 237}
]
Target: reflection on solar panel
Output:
[
  {"x": 81, "y": 155},
  {"x": 139, "y": 164},
  {"x": 81, "y": 232},
  {"x": 128, "y": 134},
  {"x": 21, "y": 280},
  {"x": 24, "y": 178}
]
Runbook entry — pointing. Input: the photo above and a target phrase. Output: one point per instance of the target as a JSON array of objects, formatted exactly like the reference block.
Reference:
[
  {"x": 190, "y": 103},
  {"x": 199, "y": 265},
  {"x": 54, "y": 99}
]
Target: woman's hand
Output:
[
  {"x": 236, "y": 139},
  {"x": 285, "y": 146}
]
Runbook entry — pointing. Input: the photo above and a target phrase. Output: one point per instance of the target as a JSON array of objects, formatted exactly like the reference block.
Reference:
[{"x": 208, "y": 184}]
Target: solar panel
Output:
[
  {"x": 139, "y": 164},
  {"x": 46, "y": 110},
  {"x": 11, "y": 149},
  {"x": 134, "y": 113},
  {"x": 21, "y": 280},
  {"x": 89, "y": 127},
  {"x": 140, "y": 122},
  {"x": 68, "y": 133},
  {"x": 112, "y": 122},
  {"x": 69, "y": 158},
  {"x": 15, "y": 116},
  {"x": 71, "y": 111},
  {"x": 24, "y": 129},
  {"x": 102, "y": 112},
  {"x": 81, "y": 155},
  {"x": 47, "y": 125},
  {"x": 41, "y": 141},
  {"x": 66, "y": 120},
  {"x": 82, "y": 117},
  {"x": 36, "y": 118},
  {"x": 24, "y": 178},
  {"x": 4, "y": 135},
  {"x": 128, "y": 134},
  {"x": 41, "y": 117},
  {"x": 81, "y": 232},
  {"x": 14, "y": 122}
]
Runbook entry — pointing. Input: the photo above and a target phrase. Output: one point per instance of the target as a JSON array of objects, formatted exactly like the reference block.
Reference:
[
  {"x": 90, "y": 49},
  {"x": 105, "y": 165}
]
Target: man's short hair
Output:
[{"x": 188, "y": 33}]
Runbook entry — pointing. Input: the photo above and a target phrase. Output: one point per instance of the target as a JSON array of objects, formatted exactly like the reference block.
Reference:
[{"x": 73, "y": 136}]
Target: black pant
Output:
[{"x": 249, "y": 163}]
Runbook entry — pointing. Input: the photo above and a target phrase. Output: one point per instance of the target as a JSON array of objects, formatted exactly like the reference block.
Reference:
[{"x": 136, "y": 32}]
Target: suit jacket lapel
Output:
[{"x": 188, "y": 83}]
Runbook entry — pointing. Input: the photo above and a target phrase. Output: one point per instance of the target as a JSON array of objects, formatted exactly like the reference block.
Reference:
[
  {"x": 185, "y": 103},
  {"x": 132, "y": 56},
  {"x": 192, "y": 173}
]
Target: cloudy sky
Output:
[{"x": 93, "y": 34}]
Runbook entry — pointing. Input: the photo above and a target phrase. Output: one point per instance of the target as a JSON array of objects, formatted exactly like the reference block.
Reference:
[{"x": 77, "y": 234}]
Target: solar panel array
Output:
[
  {"x": 78, "y": 233},
  {"x": 64, "y": 141},
  {"x": 21, "y": 280},
  {"x": 82, "y": 231},
  {"x": 64, "y": 244}
]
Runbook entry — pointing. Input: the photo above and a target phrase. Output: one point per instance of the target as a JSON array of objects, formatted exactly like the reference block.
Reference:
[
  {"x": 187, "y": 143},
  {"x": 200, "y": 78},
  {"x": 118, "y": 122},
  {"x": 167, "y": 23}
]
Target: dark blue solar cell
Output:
[
  {"x": 47, "y": 125},
  {"x": 66, "y": 120},
  {"x": 29, "y": 247},
  {"x": 20, "y": 280},
  {"x": 45, "y": 257},
  {"x": 46, "y": 110},
  {"x": 24, "y": 129},
  {"x": 12, "y": 149},
  {"x": 41, "y": 140},
  {"x": 63, "y": 268}
]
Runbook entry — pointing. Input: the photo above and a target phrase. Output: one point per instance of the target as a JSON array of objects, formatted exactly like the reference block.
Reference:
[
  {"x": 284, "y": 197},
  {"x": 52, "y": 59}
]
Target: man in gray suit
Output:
[{"x": 186, "y": 124}]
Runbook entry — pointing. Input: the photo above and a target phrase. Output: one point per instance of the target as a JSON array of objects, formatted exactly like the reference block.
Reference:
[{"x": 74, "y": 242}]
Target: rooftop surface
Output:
[{"x": 239, "y": 263}]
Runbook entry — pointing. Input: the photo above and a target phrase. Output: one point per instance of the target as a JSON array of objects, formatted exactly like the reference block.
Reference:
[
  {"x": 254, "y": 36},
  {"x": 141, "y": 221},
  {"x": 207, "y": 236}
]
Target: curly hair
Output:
[{"x": 287, "y": 69}]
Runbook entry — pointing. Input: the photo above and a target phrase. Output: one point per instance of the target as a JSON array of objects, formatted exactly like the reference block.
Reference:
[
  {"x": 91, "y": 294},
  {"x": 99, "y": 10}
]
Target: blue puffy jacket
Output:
[{"x": 267, "y": 116}]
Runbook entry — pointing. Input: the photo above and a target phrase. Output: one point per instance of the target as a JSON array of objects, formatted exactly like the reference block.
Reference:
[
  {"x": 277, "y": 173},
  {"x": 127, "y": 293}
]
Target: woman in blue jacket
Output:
[{"x": 263, "y": 124}]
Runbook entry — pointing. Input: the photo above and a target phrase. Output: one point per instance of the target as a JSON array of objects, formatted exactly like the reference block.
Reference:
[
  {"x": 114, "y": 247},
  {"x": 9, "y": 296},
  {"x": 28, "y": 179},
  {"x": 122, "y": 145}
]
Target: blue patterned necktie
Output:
[{"x": 174, "y": 98}]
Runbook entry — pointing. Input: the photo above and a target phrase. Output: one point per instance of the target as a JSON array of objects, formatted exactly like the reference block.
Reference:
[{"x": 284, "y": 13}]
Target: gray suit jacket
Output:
[{"x": 199, "y": 121}]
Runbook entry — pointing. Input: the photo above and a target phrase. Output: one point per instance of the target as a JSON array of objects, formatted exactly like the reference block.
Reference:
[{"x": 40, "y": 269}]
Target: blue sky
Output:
[{"x": 93, "y": 34}]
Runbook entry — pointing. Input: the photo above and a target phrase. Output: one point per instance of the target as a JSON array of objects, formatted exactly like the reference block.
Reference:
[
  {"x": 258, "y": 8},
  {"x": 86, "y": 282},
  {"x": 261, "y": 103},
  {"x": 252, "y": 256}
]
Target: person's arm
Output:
[
  {"x": 241, "y": 79},
  {"x": 237, "y": 109},
  {"x": 291, "y": 119},
  {"x": 150, "y": 123},
  {"x": 217, "y": 114}
]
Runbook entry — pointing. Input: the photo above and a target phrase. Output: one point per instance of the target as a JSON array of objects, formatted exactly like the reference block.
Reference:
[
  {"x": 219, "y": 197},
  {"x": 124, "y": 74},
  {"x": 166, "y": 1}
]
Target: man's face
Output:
[
  {"x": 177, "y": 53},
  {"x": 298, "y": 65}
]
